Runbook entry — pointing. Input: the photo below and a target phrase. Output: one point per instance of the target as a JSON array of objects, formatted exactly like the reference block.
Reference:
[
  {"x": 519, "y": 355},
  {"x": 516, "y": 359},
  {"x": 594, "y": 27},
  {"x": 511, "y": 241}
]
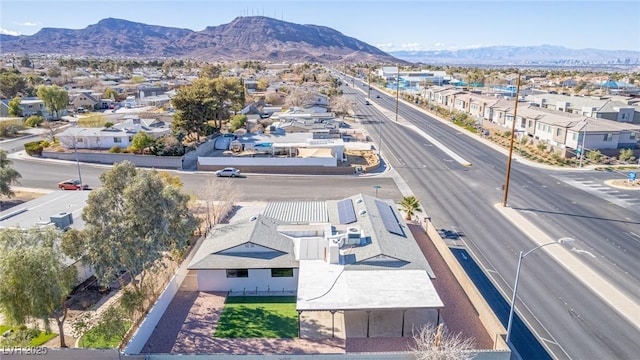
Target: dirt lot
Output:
[{"x": 20, "y": 197}]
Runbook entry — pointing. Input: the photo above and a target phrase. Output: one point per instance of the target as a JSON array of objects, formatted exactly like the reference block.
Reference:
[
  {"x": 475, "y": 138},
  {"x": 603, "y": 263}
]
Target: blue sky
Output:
[{"x": 387, "y": 24}]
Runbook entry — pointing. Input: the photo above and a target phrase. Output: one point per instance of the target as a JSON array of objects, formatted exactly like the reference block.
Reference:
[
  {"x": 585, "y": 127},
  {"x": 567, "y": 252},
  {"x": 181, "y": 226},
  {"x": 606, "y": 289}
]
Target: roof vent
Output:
[
  {"x": 253, "y": 218},
  {"x": 362, "y": 212},
  {"x": 359, "y": 200}
]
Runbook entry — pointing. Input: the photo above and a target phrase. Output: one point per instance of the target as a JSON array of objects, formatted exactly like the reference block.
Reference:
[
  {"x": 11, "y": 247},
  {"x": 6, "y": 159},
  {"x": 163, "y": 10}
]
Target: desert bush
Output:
[
  {"x": 34, "y": 148},
  {"x": 34, "y": 121},
  {"x": 115, "y": 149}
]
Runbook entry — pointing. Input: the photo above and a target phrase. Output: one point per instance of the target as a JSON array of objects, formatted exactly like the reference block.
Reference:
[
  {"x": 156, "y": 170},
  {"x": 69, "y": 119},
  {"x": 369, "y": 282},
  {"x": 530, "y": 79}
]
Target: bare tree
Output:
[
  {"x": 217, "y": 198},
  {"x": 298, "y": 97},
  {"x": 436, "y": 343},
  {"x": 341, "y": 105}
]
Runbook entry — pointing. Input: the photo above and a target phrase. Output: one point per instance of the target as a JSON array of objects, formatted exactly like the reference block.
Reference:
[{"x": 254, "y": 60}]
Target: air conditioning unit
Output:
[
  {"x": 353, "y": 236},
  {"x": 62, "y": 220}
]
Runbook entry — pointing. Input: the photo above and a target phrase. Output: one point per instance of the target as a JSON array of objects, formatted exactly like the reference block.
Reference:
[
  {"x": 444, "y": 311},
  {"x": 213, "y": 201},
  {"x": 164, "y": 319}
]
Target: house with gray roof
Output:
[
  {"x": 355, "y": 256},
  {"x": 120, "y": 134},
  {"x": 59, "y": 209}
]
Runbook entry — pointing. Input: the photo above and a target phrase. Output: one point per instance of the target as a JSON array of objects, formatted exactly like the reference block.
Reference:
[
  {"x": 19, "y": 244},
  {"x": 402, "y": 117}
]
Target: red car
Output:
[{"x": 72, "y": 185}]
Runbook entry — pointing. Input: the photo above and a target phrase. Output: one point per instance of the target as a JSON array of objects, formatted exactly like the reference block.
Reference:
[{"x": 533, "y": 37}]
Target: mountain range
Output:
[
  {"x": 523, "y": 55},
  {"x": 244, "y": 38},
  {"x": 264, "y": 38}
]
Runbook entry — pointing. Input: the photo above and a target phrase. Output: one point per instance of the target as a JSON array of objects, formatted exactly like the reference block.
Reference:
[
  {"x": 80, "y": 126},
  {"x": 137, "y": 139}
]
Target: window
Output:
[
  {"x": 530, "y": 123},
  {"x": 282, "y": 272},
  {"x": 117, "y": 140},
  {"x": 608, "y": 137},
  {"x": 238, "y": 273},
  {"x": 633, "y": 135},
  {"x": 558, "y": 132},
  {"x": 80, "y": 140},
  {"x": 575, "y": 136}
]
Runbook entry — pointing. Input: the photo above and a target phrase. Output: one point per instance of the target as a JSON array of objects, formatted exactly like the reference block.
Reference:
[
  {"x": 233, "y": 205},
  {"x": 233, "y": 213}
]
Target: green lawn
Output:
[
  {"x": 96, "y": 339},
  {"x": 38, "y": 340},
  {"x": 258, "y": 317}
]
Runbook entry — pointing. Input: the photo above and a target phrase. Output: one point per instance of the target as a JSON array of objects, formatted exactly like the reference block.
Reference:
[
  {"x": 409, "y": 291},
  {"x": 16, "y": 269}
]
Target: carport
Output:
[{"x": 375, "y": 302}]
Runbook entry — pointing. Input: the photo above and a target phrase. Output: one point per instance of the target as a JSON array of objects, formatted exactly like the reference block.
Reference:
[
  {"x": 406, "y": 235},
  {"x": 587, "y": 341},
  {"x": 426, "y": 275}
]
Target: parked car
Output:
[
  {"x": 72, "y": 184},
  {"x": 228, "y": 172}
]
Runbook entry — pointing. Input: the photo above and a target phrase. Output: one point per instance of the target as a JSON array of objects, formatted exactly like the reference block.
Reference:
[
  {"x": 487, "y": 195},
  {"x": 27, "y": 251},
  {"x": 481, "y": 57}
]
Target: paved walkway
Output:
[{"x": 189, "y": 323}]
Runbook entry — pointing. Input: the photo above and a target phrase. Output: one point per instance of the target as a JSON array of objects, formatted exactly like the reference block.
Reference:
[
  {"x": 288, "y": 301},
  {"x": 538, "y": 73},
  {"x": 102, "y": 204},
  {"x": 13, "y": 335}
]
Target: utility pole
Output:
[
  {"x": 584, "y": 135},
  {"x": 513, "y": 130},
  {"x": 397, "y": 89},
  {"x": 369, "y": 76}
]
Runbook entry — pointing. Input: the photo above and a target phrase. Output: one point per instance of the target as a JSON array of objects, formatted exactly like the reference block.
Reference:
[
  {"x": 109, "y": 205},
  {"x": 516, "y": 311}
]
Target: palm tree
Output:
[{"x": 410, "y": 205}]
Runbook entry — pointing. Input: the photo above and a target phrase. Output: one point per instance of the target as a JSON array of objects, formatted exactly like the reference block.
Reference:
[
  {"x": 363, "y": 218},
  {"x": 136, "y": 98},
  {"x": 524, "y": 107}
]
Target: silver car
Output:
[{"x": 228, "y": 172}]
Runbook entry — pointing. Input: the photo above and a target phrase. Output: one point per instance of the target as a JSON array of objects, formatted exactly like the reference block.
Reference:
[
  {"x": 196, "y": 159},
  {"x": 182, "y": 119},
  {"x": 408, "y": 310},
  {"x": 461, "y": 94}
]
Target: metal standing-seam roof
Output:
[{"x": 298, "y": 212}]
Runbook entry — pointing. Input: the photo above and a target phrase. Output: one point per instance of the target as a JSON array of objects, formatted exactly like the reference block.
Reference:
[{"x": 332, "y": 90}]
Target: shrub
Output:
[
  {"x": 10, "y": 127},
  {"x": 541, "y": 146},
  {"x": 594, "y": 155},
  {"x": 507, "y": 133},
  {"x": 625, "y": 154},
  {"x": 34, "y": 121},
  {"x": 115, "y": 149},
  {"x": 34, "y": 148}
]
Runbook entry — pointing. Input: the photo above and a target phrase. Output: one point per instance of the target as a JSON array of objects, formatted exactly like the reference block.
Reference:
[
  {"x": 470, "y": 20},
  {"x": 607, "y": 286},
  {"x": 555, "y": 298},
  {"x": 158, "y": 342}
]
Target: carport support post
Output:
[
  {"x": 368, "y": 316},
  {"x": 402, "y": 330},
  {"x": 438, "y": 322},
  {"x": 299, "y": 332},
  {"x": 333, "y": 326}
]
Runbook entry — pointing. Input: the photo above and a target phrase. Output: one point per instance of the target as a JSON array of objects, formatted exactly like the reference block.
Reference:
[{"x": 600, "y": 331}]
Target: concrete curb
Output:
[{"x": 607, "y": 292}]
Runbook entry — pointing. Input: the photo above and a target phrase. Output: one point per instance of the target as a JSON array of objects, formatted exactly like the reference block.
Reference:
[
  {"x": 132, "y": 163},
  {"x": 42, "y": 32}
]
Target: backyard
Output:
[
  {"x": 23, "y": 336},
  {"x": 258, "y": 317}
]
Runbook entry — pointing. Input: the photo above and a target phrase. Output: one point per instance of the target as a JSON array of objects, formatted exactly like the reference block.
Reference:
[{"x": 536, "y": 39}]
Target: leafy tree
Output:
[
  {"x": 54, "y": 97},
  {"x": 11, "y": 84},
  {"x": 8, "y": 175},
  {"x": 109, "y": 93},
  {"x": 410, "y": 205},
  {"x": 131, "y": 221},
  {"x": 238, "y": 122},
  {"x": 435, "y": 343},
  {"x": 15, "y": 110},
  {"x": 26, "y": 62},
  {"x": 34, "y": 281},
  {"x": 210, "y": 71},
  {"x": 141, "y": 141},
  {"x": 204, "y": 100},
  {"x": 138, "y": 79},
  {"x": 54, "y": 71}
]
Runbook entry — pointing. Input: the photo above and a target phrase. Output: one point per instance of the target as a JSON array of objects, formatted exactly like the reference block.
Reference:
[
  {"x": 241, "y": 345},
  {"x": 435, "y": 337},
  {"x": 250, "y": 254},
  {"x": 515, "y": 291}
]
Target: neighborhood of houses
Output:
[{"x": 566, "y": 123}]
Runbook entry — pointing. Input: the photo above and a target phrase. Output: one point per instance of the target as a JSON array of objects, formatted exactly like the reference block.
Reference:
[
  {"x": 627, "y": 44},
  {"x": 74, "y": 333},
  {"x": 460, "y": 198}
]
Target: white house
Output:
[
  {"x": 355, "y": 256},
  {"x": 60, "y": 209},
  {"x": 120, "y": 134}
]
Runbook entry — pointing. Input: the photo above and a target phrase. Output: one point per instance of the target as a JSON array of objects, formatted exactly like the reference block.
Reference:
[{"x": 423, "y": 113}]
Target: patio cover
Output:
[
  {"x": 327, "y": 287},
  {"x": 315, "y": 153}
]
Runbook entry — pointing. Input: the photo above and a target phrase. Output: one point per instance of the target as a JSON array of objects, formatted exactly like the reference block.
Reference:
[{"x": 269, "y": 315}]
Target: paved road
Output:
[{"x": 461, "y": 198}]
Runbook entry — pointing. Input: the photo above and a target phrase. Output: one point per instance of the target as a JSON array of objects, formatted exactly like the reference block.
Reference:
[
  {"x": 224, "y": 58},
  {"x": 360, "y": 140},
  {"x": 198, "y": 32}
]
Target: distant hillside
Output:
[
  {"x": 527, "y": 55},
  {"x": 254, "y": 38}
]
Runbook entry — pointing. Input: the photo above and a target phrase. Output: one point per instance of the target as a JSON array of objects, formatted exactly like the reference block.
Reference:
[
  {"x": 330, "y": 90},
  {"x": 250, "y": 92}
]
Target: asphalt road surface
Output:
[{"x": 569, "y": 319}]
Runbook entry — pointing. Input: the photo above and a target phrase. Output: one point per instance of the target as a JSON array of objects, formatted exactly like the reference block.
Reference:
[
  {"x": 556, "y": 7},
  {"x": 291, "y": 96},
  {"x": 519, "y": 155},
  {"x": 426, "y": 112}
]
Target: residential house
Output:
[
  {"x": 30, "y": 106},
  {"x": 601, "y": 107},
  {"x": 60, "y": 209},
  {"x": 120, "y": 134},
  {"x": 354, "y": 256},
  {"x": 84, "y": 99}
]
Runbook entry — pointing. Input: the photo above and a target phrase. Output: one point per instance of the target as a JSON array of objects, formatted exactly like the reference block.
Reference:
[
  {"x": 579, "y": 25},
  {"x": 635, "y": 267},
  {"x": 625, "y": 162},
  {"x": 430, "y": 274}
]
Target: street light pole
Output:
[
  {"x": 515, "y": 284},
  {"x": 75, "y": 150},
  {"x": 397, "y": 89}
]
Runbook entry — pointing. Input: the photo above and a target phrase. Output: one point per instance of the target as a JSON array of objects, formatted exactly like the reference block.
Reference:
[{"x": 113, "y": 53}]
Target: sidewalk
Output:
[{"x": 609, "y": 293}]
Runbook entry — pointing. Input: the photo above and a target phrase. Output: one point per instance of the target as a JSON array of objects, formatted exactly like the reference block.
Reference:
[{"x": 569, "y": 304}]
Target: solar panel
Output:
[
  {"x": 389, "y": 218},
  {"x": 346, "y": 212}
]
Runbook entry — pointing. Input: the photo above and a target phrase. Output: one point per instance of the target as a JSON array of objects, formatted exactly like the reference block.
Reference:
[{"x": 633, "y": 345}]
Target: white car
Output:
[{"x": 228, "y": 172}]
